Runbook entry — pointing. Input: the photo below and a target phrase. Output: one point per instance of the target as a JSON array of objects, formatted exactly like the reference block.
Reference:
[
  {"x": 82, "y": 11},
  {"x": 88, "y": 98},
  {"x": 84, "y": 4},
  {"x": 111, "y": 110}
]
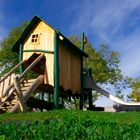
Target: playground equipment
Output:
[
  {"x": 57, "y": 62},
  {"x": 58, "y": 71},
  {"x": 89, "y": 83}
]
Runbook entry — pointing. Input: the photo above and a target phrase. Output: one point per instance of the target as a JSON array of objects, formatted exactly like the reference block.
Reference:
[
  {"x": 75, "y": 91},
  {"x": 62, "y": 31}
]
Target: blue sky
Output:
[{"x": 113, "y": 22}]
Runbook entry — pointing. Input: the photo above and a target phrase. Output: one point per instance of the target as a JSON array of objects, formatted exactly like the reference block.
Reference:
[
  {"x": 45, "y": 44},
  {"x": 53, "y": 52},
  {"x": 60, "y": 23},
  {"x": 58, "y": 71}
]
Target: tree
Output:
[
  {"x": 9, "y": 59},
  {"x": 135, "y": 94}
]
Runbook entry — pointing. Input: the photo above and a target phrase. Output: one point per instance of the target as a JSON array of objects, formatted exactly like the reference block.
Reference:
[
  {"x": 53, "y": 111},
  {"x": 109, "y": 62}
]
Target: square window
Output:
[{"x": 35, "y": 38}]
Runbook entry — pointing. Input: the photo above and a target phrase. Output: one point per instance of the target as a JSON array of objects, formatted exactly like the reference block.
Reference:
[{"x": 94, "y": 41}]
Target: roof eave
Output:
[
  {"x": 73, "y": 46},
  {"x": 29, "y": 28},
  {"x": 35, "y": 20}
]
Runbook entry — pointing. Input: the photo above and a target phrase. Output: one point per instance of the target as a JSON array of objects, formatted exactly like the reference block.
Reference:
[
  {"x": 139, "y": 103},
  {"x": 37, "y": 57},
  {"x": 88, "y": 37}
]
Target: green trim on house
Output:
[
  {"x": 81, "y": 74},
  {"x": 90, "y": 92},
  {"x": 81, "y": 89},
  {"x": 20, "y": 57},
  {"x": 82, "y": 43},
  {"x": 43, "y": 51},
  {"x": 56, "y": 71}
]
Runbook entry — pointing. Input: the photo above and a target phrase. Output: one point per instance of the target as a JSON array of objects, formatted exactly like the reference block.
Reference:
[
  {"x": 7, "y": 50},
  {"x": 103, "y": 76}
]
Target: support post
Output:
[
  {"x": 82, "y": 43},
  {"x": 90, "y": 99},
  {"x": 21, "y": 56},
  {"x": 81, "y": 90},
  {"x": 81, "y": 74},
  {"x": 48, "y": 98},
  {"x": 56, "y": 71},
  {"x": 42, "y": 99},
  {"x": 90, "y": 93}
]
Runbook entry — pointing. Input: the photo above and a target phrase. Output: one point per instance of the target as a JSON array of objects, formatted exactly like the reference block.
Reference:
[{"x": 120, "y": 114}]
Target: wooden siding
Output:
[
  {"x": 46, "y": 42},
  {"x": 70, "y": 66},
  {"x": 46, "y": 37}
]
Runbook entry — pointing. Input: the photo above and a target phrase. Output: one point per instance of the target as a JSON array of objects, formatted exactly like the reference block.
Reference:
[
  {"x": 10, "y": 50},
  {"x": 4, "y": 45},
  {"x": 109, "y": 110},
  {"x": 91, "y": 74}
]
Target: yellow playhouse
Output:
[{"x": 52, "y": 56}]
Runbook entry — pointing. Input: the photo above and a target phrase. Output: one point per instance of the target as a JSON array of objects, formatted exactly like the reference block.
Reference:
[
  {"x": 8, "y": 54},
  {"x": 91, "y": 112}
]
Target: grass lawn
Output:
[
  {"x": 71, "y": 125},
  {"x": 120, "y": 117}
]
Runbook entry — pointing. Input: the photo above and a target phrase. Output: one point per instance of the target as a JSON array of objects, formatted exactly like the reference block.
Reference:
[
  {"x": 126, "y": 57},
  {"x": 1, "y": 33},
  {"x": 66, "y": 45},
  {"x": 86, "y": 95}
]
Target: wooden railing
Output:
[
  {"x": 24, "y": 97},
  {"x": 8, "y": 90},
  {"x": 11, "y": 71},
  {"x": 7, "y": 79}
]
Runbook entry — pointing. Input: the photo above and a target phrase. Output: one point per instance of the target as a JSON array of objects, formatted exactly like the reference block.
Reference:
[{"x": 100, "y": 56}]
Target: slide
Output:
[{"x": 89, "y": 83}]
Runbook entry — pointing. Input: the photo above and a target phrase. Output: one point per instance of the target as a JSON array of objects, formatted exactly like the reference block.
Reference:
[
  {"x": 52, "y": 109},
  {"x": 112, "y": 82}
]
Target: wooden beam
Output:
[
  {"x": 81, "y": 90},
  {"x": 41, "y": 104},
  {"x": 21, "y": 57},
  {"x": 31, "y": 65},
  {"x": 56, "y": 71},
  {"x": 11, "y": 71},
  {"x": 44, "y": 51},
  {"x": 22, "y": 103},
  {"x": 28, "y": 93}
]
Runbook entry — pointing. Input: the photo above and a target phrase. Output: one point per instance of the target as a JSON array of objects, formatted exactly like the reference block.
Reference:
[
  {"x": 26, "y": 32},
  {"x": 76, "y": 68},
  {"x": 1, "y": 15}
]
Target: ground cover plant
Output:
[{"x": 71, "y": 125}]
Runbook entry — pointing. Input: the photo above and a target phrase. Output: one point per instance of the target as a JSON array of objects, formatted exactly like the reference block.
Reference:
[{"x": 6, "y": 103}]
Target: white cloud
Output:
[
  {"x": 115, "y": 23},
  {"x": 130, "y": 64}
]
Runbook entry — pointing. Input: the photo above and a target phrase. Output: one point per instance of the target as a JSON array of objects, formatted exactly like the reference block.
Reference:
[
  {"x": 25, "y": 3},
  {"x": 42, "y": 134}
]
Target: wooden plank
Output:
[
  {"x": 11, "y": 81},
  {"x": 6, "y": 83},
  {"x": 1, "y": 88},
  {"x": 49, "y": 69},
  {"x": 19, "y": 94},
  {"x": 11, "y": 71},
  {"x": 12, "y": 78},
  {"x": 70, "y": 66},
  {"x": 28, "y": 93},
  {"x": 31, "y": 66}
]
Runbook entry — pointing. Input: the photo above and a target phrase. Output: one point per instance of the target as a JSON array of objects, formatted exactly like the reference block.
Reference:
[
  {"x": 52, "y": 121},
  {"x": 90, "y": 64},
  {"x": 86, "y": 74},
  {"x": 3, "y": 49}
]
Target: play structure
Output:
[{"x": 49, "y": 63}]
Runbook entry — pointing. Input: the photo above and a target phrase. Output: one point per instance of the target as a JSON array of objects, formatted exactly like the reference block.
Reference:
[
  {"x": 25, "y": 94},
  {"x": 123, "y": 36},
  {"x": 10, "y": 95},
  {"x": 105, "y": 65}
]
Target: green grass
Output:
[
  {"x": 120, "y": 117},
  {"x": 71, "y": 125}
]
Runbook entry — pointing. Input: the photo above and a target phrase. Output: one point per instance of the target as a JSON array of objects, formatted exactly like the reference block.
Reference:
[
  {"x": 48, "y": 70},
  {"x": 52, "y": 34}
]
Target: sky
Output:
[{"x": 112, "y": 22}]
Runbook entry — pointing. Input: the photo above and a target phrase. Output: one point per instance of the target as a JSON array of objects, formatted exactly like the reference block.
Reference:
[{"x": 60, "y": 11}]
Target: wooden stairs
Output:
[
  {"x": 16, "y": 89},
  {"x": 8, "y": 103}
]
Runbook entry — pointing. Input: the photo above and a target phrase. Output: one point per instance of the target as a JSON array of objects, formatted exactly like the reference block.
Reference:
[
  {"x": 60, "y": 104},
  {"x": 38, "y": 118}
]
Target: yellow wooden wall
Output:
[
  {"x": 69, "y": 66},
  {"x": 46, "y": 42}
]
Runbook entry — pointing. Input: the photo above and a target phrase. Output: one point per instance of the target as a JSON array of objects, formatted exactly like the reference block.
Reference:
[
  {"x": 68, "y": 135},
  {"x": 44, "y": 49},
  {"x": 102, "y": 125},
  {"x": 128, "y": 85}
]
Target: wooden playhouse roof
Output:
[{"x": 35, "y": 20}]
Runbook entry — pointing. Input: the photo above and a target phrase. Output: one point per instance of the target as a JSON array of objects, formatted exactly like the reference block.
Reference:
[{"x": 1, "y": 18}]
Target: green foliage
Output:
[
  {"x": 135, "y": 94},
  {"x": 9, "y": 59},
  {"x": 73, "y": 125}
]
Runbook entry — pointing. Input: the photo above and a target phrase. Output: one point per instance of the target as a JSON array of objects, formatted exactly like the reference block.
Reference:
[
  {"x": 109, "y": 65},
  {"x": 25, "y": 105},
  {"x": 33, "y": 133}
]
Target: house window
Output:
[{"x": 35, "y": 38}]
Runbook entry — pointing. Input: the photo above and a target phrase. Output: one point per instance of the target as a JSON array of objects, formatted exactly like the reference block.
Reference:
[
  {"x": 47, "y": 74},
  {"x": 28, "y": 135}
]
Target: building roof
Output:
[{"x": 35, "y": 20}]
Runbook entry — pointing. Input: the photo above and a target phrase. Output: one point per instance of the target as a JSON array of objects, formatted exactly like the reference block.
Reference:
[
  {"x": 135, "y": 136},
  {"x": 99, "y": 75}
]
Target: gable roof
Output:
[{"x": 35, "y": 20}]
